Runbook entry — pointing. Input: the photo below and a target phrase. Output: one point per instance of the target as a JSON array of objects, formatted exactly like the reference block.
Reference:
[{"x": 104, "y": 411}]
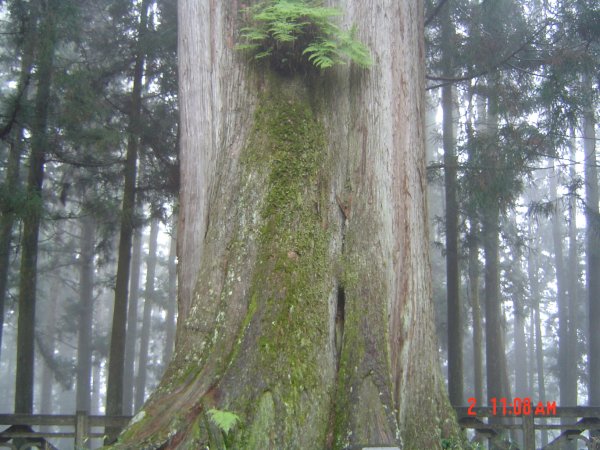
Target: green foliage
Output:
[
  {"x": 292, "y": 32},
  {"x": 454, "y": 444},
  {"x": 225, "y": 420}
]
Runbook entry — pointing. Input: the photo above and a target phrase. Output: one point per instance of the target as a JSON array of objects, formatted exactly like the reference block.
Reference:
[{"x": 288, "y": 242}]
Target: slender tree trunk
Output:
[
  {"x": 476, "y": 311},
  {"x": 32, "y": 219},
  {"x": 311, "y": 317},
  {"x": 493, "y": 311},
  {"x": 49, "y": 336},
  {"x": 172, "y": 297},
  {"x": 132, "y": 322},
  {"x": 473, "y": 262},
  {"x": 520, "y": 352},
  {"x": 532, "y": 269},
  {"x": 11, "y": 181},
  {"x": 496, "y": 367},
  {"x": 96, "y": 382},
  {"x": 561, "y": 285},
  {"x": 573, "y": 287},
  {"x": 114, "y": 392},
  {"x": 531, "y": 363},
  {"x": 564, "y": 370},
  {"x": 592, "y": 216},
  {"x": 140, "y": 385},
  {"x": 86, "y": 304},
  {"x": 455, "y": 327}
]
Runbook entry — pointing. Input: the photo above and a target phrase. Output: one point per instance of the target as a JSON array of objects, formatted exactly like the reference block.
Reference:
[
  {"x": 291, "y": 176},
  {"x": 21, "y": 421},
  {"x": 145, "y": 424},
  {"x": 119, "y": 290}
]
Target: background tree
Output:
[{"x": 32, "y": 218}]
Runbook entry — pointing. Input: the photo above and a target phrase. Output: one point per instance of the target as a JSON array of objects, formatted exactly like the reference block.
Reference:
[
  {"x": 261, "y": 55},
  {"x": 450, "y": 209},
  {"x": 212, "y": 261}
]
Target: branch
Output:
[
  {"x": 12, "y": 118},
  {"x": 449, "y": 80}
]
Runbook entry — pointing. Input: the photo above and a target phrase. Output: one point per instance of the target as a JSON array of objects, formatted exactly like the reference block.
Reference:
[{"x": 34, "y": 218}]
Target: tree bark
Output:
[
  {"x": 171, "y": 297},
  {"x": 116, "y": 361},
  {"x": 32, "y": 219},
  {"x": 307, "y": 309}
]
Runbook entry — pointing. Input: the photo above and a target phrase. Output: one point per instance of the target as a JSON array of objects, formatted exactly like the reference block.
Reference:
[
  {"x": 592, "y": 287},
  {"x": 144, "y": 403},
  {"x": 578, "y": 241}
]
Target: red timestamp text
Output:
[{"x": 516, "y": 407}]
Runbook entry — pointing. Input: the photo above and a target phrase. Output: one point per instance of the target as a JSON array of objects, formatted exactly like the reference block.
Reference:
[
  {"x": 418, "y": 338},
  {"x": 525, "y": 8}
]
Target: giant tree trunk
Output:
[{"x": 303, "y": 233}]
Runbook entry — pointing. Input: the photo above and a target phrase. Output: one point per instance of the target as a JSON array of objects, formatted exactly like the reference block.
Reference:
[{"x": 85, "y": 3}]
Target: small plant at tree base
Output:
[
  {"x": 457, "y": 444},
  {"x": 293, "y": 32},
  {"x": 225, "y": 420}
]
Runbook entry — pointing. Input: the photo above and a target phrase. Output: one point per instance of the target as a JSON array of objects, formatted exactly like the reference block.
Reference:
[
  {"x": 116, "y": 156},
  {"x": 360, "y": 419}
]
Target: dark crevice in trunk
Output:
[{"x": 339, "y": 323}]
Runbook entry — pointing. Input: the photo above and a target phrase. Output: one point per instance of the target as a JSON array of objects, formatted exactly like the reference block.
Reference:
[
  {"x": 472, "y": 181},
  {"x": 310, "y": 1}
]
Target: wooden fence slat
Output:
[{"x": 82, "y": 429}]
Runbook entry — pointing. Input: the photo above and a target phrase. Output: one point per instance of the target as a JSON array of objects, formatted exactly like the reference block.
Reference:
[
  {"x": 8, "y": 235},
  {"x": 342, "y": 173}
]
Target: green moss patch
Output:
[{"x": 292, "y": 282}]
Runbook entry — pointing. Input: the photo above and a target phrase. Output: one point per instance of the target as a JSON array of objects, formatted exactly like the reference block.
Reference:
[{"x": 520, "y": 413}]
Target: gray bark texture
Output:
[{"x": 305, "y": 292}]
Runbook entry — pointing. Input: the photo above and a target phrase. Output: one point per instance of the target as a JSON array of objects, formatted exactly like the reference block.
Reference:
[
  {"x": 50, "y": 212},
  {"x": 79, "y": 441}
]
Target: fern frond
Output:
[
  {"x": 302, "y": 28},
  {"x": 263, "y": 54},
  {"x": 253, "y": 34},
  {"x": 225, "y": 420}
]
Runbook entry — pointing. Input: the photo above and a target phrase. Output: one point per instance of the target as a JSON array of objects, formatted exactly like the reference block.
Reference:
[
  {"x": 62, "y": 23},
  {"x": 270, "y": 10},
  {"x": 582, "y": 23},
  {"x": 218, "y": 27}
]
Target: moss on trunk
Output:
[{"x": 277, "y": 267}]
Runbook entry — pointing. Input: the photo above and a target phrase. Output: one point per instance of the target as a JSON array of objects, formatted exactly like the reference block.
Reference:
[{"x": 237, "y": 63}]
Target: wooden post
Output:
[
  {"x": 82, "y": 429},
  {"x": 528, "y": 432}
]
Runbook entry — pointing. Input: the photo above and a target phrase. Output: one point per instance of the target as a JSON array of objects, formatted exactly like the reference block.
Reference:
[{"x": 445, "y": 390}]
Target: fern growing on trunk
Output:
[{"x": 291, "y": 33}]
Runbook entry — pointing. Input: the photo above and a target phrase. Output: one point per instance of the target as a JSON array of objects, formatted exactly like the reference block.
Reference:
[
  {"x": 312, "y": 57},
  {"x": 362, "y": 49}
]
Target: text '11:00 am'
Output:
[{"x": 516, "y": 407}]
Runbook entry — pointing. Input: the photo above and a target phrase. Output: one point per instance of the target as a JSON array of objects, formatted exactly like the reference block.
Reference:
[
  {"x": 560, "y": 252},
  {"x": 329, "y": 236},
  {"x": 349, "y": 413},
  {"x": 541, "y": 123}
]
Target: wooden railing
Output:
[
  {"x": 588, "y": 419},
  {"x": 78, "y": 427}
]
